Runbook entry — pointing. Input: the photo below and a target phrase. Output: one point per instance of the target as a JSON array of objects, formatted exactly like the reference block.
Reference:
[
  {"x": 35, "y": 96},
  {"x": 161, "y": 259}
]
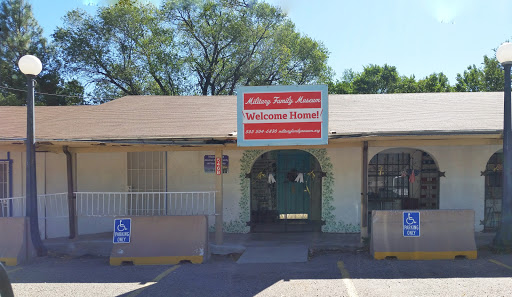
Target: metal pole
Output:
[
  {"x": 31, "y": 183},
  {"x": 219, "y": 236},
  {"x": 503, "y": 237},
  {"x": 71, "y": 193}
]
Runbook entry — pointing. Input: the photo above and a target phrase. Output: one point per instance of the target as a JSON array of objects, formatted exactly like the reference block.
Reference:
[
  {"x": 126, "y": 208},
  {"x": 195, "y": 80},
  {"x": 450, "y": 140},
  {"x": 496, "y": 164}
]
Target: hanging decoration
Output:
[
  {"x": 300, "y": 178},
  {"x": 271, "y": 179},
  {"x": 381, "y": 170},
  {"x": 403, "y": 173},
  {"x": 499, "y": 167},
  {"x": 260, "y": 175},
  {"x": 412, "y": 174}
]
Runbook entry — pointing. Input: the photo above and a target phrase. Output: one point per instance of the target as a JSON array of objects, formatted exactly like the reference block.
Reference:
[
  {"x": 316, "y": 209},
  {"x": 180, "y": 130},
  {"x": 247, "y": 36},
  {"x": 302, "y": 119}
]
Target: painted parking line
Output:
[
  {"x": 500, "y": 264},
  {"x": 154, "y": 281},
  {"x": 351, "y": 289},
  {"x": 14, "y": 270}
]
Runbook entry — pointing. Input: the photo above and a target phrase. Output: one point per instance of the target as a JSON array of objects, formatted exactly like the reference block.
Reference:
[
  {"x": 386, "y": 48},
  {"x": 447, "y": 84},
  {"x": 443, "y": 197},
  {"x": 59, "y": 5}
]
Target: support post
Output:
[
  {"x": 503, "y": 237},
  {"x": 71, "y": 194},
  {"x": 364, "y": 192},
  {"x": 218, "y": 200}
]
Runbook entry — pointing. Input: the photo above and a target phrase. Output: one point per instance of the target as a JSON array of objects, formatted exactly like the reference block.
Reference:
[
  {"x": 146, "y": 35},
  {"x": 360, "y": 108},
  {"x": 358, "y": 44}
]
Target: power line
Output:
[
  {"x": 58, "y": 95},
  {"x": 20, "y": 90}
]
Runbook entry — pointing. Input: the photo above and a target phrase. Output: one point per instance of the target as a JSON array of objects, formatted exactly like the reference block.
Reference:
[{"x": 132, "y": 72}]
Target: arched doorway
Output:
[
  {"x": 286, "y": 192},
  {"x": 493, "y": 192},
  {"x": 403, "y": 179}
]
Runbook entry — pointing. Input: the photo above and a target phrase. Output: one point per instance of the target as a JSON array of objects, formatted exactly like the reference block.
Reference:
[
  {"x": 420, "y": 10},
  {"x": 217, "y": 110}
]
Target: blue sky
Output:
[{"x": 417, "y": 36}]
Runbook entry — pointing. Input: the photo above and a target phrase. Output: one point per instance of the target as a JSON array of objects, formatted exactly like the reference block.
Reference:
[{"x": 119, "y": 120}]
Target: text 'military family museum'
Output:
[{"x": 271, "y": 159}]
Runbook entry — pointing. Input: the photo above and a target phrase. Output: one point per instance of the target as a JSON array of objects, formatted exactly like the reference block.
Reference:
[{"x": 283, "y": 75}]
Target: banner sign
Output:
[{"x": 282, "y": 115}]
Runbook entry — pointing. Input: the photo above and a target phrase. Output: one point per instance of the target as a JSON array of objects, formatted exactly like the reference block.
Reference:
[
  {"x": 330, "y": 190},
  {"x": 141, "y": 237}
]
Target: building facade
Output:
[{"x": 138, "y": 153}]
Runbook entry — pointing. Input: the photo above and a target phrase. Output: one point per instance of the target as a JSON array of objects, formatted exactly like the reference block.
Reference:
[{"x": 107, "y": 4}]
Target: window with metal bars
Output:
[
  {"x": 4, "y": 188},
  {"x": 4, "y": 179},
  {"x": 388, "y": 186},
  {"x": 146, "y": 171},
  {"x": 493, "y": 192}
]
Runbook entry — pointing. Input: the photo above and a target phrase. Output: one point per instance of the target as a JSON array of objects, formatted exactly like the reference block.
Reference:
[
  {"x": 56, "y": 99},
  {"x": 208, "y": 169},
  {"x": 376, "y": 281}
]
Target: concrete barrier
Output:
[
  {"x": 15, "y": 244},
  {"x": 163, "y": 240},
  {"x": 444, "y": 234}
]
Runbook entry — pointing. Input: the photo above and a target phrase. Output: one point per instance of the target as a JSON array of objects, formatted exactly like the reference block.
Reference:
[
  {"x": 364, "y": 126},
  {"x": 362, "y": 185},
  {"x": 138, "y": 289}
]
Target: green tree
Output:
[
  {"x": 20, "y": 35},
  {"x": 487, "y": 78},
  {"x": 232, "y": 43},
  {"x": 493, "y": 75},
  {"x": 376, "y": 79},
  {"x": 470, "y": 81},
  {"x": 434, "y": 83},
  {"x": 125, "y": 49},
  {"x": 407, "y": 85},
  {"x": 343, "y": 86}
]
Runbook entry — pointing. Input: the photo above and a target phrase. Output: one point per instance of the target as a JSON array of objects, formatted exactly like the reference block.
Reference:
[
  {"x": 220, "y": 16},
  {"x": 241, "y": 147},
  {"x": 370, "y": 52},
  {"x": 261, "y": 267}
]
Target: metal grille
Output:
[
  {"x": 4, "y": 189},
  {"x": 493, "y": 192},
  {"x": 387, "y": 187},
  {"x": 146, "y": 172}
]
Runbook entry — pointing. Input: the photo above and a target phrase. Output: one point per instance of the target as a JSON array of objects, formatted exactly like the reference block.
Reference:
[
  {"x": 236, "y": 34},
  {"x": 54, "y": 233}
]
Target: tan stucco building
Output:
[{"x": 394, "y": 151}]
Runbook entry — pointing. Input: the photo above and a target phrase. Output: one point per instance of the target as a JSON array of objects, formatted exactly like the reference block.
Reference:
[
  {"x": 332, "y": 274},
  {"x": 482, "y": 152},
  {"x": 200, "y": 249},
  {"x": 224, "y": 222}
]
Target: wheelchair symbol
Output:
[
  {"x": 410, "y": 220},
  {"x": 121, "y": 227}
]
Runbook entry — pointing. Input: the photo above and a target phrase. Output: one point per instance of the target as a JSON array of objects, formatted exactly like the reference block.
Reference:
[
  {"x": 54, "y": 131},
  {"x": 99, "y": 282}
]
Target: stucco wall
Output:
[
  {"x": 347, "y": 170},
  {"x": 51, "y": 179},
  {"x": 186, "y": 173},
  {"x": 462, "y": 188},
  {"x": 100, "y": 172}
]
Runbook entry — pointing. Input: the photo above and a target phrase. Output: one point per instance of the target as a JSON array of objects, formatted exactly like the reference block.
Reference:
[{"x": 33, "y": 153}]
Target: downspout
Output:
[
  {"x": 71, "y": 196},
  {"x": 10, "y": 182},
  {"x": 166, "y": 185},
  {"x": 364, "y": 194}
]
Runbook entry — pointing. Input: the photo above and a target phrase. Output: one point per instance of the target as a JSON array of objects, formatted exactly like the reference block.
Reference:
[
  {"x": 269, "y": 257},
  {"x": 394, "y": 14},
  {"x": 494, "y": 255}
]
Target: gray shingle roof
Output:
[{"x": 151, "y": 117}]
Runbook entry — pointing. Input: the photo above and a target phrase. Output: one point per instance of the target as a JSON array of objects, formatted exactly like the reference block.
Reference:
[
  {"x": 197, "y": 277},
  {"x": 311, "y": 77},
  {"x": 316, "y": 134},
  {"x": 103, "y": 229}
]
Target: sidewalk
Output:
[{"x": 101, "y": 244}]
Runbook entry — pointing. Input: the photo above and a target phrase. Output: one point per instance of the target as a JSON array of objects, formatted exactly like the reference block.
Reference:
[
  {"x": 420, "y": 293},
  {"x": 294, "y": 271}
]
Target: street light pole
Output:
[
  {"x": 503, "y": 238},
  {"x": 31, "y": 67}
]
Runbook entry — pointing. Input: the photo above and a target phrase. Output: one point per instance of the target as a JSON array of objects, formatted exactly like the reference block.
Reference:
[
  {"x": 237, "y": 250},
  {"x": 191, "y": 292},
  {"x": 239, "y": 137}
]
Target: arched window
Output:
[
  {"x": 493, "y": 192},
  {"x": 403, "y": 179}
]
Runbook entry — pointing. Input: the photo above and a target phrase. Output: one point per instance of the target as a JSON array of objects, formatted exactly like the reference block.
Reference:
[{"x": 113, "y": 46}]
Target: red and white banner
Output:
[{"x": 282, "y": 115}]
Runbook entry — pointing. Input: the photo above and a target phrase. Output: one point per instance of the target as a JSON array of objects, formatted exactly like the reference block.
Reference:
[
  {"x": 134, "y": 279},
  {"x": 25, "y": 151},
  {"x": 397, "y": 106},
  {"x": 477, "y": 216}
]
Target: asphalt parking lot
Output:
[{"x": 330, "y": 274}]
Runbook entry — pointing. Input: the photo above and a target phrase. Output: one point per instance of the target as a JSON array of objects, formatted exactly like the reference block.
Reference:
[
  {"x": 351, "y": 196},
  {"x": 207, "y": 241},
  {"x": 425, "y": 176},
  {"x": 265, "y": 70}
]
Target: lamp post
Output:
[
  {"x": 503, "y": 238},
  {"x": 31, "y": 66}
]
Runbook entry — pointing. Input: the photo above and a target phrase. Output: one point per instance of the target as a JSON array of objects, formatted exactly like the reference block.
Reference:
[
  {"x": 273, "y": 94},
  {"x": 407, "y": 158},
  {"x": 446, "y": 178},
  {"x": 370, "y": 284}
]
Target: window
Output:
[
  {"x": 403, "y": 180},
  {"x": 4, "y": 188},
  {"x": 493, "y": 192},
  {"x": 4, "y": 182},
  {"x": 388, "y": 181},
  {"x": 146, "y": 172}
]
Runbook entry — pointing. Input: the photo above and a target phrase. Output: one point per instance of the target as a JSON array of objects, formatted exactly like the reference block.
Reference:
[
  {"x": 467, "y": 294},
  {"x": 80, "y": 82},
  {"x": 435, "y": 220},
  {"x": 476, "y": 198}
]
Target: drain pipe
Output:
[
  {"x": 364, "y": 192},
  {"x": 71, "y": 196}
]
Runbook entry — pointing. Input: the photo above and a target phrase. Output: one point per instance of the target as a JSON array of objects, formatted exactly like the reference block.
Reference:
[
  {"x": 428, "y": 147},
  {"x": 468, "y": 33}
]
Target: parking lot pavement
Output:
[{"x": 334, "y": 274}]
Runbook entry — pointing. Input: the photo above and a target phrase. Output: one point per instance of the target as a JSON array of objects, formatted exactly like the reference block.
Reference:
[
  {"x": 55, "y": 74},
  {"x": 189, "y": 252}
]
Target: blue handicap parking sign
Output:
[
  {"x": 122, "y": 230},
  {"x": 411, "y": 223}
]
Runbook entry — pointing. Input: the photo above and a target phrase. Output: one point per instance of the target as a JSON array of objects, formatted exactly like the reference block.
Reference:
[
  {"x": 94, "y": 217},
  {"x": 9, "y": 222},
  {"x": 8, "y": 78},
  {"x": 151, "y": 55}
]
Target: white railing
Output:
[
  {"x": 110, "y": 204},
  {"x": 49, "y": 206},
  {"x": 106, "y": 204},
  {"x": 12, "y": 207}
]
